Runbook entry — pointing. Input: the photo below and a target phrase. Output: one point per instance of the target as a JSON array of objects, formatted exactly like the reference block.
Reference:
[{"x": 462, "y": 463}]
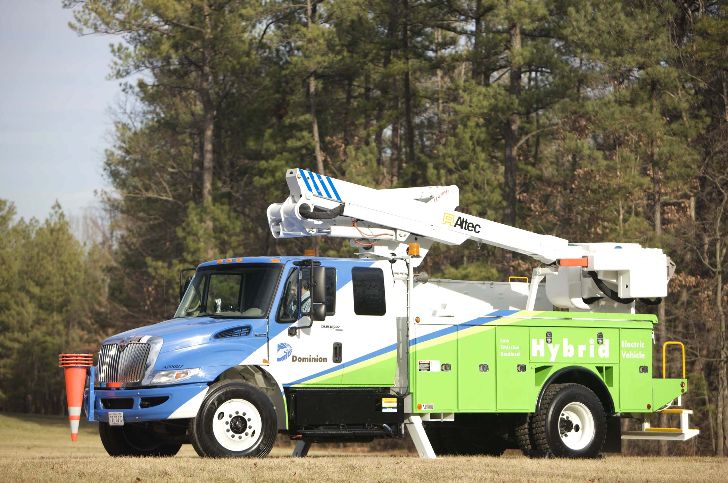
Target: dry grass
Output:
[{"x": 39, "y": 449}]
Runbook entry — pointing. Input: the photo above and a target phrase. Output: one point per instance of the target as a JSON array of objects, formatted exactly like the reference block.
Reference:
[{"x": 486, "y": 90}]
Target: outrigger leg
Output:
[
  {"x": 301, "y": 448},
  {"x": 417, "y": 432}
]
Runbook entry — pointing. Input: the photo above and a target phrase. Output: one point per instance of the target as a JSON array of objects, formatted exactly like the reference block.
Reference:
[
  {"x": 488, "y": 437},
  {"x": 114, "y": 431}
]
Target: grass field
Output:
[{"x": 39, "y": 449}]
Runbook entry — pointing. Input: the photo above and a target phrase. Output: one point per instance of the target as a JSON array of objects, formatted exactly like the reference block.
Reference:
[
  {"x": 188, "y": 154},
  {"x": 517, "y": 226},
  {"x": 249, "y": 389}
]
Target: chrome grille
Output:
[{"x": 124, "y": 364}]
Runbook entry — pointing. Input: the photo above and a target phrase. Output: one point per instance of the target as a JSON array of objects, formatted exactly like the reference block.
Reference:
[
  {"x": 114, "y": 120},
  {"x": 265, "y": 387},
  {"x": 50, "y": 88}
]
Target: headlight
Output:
[{"x": 170, "y": 377}]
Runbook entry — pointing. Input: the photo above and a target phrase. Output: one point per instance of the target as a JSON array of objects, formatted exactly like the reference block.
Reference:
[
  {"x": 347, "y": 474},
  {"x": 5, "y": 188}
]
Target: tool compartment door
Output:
[
  {"x": 476, "y": 369},
  {"x": 635, "y": 370},
  {"x": 434, "y": 366},
  {"x": 515, "y": 376}
]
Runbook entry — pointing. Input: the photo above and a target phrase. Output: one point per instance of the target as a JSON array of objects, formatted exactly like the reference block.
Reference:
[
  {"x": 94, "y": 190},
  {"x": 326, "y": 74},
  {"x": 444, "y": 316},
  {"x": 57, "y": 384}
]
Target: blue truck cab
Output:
[{"x": 248, "y": 339}]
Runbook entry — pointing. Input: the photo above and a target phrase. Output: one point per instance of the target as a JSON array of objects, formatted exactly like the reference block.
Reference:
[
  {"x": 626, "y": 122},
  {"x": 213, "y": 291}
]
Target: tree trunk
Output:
[
  {"x": 208, "y": 109},
  {"x": 439, "y": 77},
  {"x": 367, "y": 100},
  {"x": 208, "y": 128},
  {"x": 477, "y": 54},
  {"x": 311, "y": 18},
  {"x": 407, "y": 89},
  {"x": 661, "y": 326},
  {"x": 722, "y": 421},
  {"x": 512, "y": 125},
  {"x": 396, "y": 156},
  {"x": 393, "y": 23},
  {"x": 208, "y": 135},
  {"x": 347, "y": 120},
  {"x": 723, "y": 359}
]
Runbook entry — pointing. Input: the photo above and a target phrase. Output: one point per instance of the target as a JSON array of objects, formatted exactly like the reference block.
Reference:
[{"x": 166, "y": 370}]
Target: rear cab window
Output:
[{"x": 369, "y": 294}]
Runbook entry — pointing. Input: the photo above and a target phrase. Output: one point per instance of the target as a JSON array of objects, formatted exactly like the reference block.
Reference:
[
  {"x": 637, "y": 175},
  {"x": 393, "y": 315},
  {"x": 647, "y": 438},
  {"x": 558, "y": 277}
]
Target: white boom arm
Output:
[{"x": 384, "y": 221}]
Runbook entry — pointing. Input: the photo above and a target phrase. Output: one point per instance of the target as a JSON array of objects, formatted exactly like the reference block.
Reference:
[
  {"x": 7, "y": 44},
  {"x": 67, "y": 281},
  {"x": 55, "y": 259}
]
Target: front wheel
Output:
[
  {"x": 235, "y": 420},
  {"x": 135, "y": 439},
  {"x": 570, "y": 422}
]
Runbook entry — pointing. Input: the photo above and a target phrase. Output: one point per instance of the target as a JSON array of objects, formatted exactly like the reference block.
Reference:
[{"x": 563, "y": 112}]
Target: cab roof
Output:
[{"x": 281, "y": 260}]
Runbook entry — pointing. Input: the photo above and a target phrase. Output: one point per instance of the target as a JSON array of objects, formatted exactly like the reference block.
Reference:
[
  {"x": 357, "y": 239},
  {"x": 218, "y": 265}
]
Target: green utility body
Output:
[{"x": 502, "y": 365}]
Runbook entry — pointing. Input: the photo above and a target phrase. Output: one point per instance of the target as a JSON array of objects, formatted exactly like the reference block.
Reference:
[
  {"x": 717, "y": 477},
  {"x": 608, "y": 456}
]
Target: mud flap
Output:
[{"x": 613, "y": 440}]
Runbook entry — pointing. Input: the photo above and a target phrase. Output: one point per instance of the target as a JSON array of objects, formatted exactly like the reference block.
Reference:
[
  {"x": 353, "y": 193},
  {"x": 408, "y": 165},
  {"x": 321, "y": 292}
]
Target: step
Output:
[
  {"x": 661, "y": 434},
  {"x": 675, "y": 411}
]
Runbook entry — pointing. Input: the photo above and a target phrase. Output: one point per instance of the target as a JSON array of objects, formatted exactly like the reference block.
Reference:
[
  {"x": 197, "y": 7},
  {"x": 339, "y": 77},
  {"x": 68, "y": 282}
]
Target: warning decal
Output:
[{"x": 389, "y": 404}]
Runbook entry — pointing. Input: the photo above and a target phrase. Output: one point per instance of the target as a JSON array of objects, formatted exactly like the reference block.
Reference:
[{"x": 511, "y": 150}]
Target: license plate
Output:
[{"x": 116, "y": 419}]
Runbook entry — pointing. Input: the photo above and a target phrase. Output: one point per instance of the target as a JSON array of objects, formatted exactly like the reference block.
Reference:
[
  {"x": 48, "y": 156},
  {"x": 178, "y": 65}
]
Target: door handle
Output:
[
  {"x": 261, "y": 334},
  {"x": 337, "y": 352}
]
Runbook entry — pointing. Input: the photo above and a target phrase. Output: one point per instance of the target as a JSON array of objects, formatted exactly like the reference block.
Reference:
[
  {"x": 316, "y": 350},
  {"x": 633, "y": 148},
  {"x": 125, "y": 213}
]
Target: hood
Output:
[{"x": 185, "y": 331}]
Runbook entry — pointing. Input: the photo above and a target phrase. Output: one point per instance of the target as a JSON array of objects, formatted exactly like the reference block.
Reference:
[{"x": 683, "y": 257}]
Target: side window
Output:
[
  {"x": 368, "y": 286},
  {"x": 287, "y": 310},
  {"x": 330, "y": 291},
  {"x": 289, "y": 299}
]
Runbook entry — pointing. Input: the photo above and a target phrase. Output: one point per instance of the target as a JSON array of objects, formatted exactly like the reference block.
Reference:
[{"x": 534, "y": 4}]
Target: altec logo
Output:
[
  {"x": 566, "y": 350},
  {"x": 460, "y": 222}
]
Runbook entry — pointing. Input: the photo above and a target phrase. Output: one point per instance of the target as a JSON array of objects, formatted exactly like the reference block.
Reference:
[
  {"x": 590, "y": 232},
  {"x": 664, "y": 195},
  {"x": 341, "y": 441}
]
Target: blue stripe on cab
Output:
[
  {"x": 433, "y": 335},
  {"x": 363, "y": 358},
  {"x": 454, "y": 328}
]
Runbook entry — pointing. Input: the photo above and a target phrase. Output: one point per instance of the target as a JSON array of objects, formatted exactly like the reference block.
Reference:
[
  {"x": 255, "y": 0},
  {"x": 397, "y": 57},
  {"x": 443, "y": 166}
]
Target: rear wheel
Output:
[
  {"x": 235, "y": 420},
  {"x": 135, "y": 439},
  {"x": 523, "y": 434},
  {"x": 570, "y": 422}
]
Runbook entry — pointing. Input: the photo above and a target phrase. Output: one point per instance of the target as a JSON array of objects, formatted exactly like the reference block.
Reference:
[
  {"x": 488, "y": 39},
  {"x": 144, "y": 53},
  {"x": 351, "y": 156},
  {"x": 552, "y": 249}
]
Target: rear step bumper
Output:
[
  {"x": 658, "y": 435},
  {"x": 683, "y": 433}
]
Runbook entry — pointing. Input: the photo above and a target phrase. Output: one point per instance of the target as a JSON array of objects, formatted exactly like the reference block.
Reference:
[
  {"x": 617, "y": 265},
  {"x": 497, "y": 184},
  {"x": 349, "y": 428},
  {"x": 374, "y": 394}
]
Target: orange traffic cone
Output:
[{"x": 74, "y": 368}]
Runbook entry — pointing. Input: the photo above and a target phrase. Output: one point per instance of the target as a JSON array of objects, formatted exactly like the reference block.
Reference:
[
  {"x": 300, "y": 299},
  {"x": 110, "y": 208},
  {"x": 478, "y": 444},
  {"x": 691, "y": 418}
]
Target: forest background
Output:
[{"x": 593, "y": 120}]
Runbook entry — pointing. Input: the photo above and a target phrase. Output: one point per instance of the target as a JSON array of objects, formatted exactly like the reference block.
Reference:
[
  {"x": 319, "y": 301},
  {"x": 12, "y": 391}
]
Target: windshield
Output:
[{"x": 233, "y": 291}]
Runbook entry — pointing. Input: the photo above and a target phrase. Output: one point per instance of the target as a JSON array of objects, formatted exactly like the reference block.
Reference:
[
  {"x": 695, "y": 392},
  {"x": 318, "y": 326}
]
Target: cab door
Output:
[
  {"x": 304, "y": 352},
  {"x": 367, "y": 303}
]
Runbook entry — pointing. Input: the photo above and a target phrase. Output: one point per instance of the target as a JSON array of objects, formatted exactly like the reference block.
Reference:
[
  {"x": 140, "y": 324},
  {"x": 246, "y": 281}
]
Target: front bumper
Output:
[{"x": 147, "y": 404}]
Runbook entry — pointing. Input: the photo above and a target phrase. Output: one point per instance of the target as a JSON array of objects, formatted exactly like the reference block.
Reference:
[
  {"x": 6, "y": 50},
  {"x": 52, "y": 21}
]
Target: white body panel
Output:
[
  {"x": 365, "y": 337},
  {"x": 453, "y": 301}
]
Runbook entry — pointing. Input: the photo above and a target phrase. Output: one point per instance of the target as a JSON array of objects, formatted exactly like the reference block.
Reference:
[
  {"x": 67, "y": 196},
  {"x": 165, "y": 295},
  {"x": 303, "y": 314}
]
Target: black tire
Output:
[
  {"x": 256, "y": 435},
  {"x": 523, "y": 434},
  {"x": 135, "y": 439},
  {"x": 548, "y": 425}
]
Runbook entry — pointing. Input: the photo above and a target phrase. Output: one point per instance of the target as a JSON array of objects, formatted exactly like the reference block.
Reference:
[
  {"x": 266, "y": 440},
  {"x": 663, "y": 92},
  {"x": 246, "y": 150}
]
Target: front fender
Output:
[{"x": 214, "y": 358}]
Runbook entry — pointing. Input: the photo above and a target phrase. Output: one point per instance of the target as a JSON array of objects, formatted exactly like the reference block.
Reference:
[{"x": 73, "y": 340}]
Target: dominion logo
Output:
[{"x": 284, "y": 351}]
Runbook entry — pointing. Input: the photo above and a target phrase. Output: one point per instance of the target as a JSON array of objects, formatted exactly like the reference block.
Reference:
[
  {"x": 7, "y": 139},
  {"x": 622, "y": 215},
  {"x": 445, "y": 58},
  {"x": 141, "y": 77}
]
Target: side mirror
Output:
[
  {"x": 318, "y": 312},
  {"x": 305, "y": 321},
  {"x": 318, "y": 287},
  {"x": 316, "y": 276}
]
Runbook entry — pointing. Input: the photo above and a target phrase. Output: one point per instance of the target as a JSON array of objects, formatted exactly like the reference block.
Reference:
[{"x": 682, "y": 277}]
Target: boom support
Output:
[{"x": 383, "y": 222}]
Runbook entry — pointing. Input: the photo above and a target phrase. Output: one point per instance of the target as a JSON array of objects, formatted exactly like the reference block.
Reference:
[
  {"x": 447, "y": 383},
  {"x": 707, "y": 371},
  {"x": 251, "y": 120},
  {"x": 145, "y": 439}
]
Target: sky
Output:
[{"x": 55, "y": 109}]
